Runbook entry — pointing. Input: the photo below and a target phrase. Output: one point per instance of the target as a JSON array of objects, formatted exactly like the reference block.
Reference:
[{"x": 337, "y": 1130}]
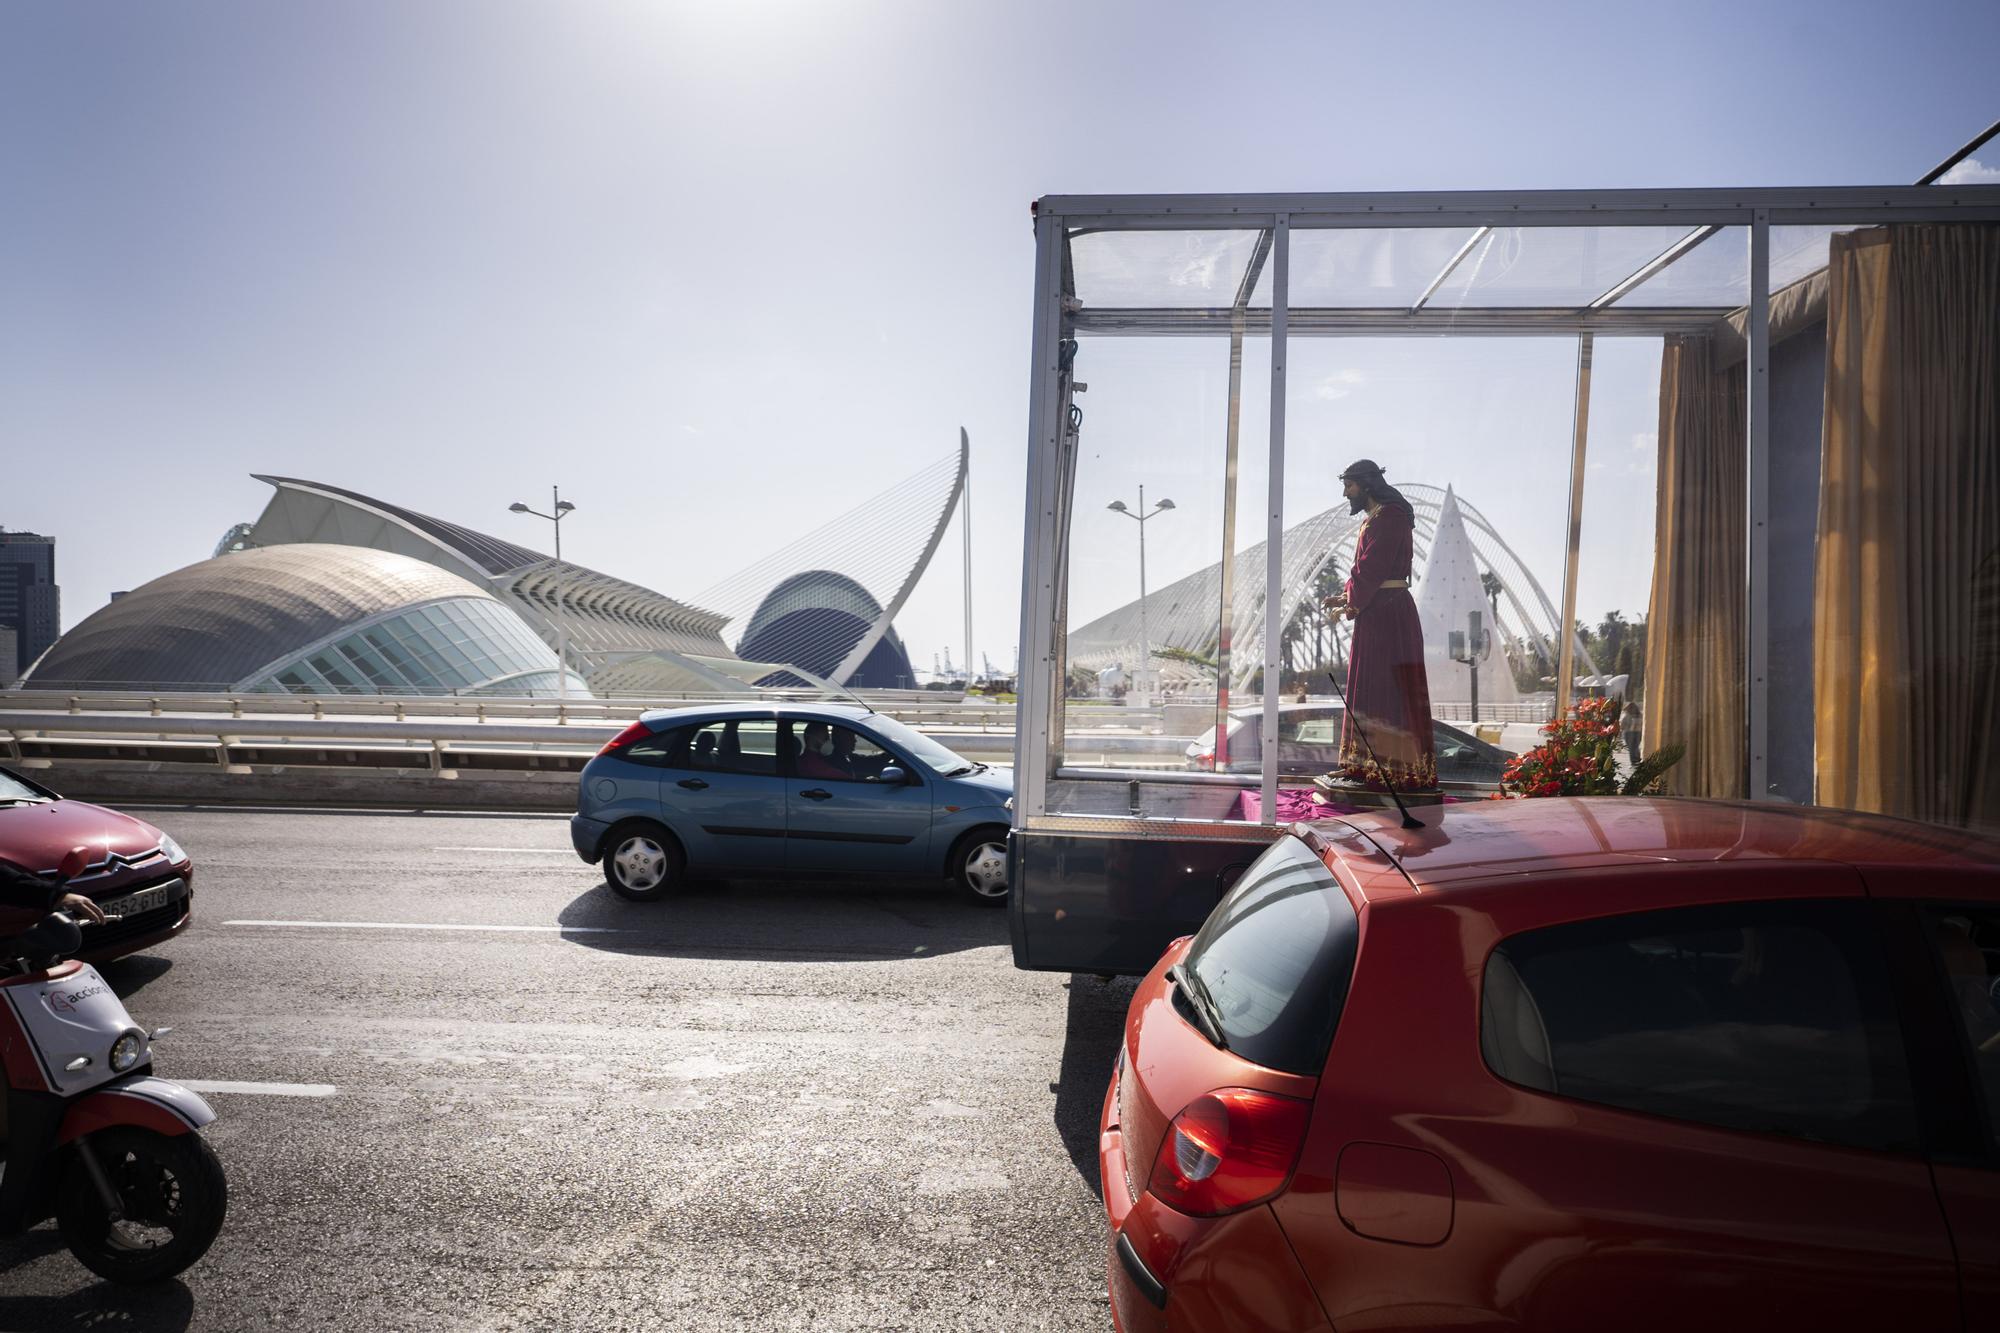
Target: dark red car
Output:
[
  {"x": 1571, "y": 1065},
  {"x": 136, "y": 872}
]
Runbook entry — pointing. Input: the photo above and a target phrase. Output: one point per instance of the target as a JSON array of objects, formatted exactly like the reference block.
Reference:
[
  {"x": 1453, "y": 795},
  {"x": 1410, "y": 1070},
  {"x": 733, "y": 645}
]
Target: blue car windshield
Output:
[{"x": 939, "y": 759}]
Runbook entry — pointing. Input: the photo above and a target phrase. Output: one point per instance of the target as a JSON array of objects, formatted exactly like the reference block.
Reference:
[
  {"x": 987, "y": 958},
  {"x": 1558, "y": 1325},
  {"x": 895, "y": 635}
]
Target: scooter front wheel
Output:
[{"x": 173, "y": 1195}]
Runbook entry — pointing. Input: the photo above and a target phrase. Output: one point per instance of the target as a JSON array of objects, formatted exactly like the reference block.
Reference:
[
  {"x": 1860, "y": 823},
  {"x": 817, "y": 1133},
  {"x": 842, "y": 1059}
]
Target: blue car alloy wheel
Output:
[{"x": 642, "y": 863}]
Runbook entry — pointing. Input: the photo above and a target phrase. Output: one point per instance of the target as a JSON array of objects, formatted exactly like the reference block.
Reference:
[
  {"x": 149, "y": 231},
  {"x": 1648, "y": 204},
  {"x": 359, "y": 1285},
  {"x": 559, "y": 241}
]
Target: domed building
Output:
[
  {"x": 306, "y": 618},
  {"x": 815, "y": 620}
]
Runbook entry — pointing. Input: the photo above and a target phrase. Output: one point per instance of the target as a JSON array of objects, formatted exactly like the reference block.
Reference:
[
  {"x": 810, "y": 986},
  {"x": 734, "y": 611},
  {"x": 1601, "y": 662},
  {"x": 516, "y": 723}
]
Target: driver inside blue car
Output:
[{"x": 819, "y": 760}]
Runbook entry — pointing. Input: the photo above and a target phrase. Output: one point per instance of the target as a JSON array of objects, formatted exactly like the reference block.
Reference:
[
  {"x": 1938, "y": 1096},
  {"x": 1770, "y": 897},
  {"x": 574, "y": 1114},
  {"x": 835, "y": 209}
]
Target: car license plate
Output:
[{"x": 145, "y": 900}]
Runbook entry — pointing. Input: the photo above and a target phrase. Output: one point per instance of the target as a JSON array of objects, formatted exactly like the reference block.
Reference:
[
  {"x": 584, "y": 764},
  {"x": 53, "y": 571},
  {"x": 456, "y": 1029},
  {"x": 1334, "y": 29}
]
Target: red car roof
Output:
[{"x": 1479, "y": 841}]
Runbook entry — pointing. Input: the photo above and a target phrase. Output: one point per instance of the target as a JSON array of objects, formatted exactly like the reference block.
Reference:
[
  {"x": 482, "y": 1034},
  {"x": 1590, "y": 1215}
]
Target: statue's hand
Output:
[{"x": 1349, "y": 612}]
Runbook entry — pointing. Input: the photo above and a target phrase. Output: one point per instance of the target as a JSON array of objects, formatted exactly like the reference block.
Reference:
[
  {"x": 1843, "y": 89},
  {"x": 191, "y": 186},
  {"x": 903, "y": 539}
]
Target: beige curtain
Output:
[
  {"x": 1694, "y": 622},
  {"x": 1907, "y": 591}
]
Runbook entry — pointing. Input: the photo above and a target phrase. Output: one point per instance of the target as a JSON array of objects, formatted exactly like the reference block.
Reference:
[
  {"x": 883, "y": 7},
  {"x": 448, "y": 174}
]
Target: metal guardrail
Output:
[
  {"x": 237, "y": 743},
  {"x": 448, "y": 736},
  {"x": 156, "y": 703}
]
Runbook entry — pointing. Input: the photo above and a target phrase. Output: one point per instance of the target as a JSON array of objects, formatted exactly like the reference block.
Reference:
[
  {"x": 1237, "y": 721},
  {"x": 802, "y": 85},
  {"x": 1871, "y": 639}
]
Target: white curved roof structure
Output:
[
  {"x": 607, "y": 620},
  {"x": 304, "y": 618},
  {"x": 1185, "y": 614},
  {"x": 881, "y": 546}
]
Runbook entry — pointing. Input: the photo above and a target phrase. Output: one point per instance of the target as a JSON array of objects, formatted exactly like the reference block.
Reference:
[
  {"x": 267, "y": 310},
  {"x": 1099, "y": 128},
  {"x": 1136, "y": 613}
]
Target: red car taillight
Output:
[
  {"x": 1229, "y": 1149},
  {"x": 636, "y": 731}
]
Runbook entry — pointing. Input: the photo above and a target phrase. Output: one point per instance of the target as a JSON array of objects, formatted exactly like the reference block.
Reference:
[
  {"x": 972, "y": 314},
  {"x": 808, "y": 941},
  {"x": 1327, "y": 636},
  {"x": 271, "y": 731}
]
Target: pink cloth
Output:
[{"x": 1295, "y": 805}]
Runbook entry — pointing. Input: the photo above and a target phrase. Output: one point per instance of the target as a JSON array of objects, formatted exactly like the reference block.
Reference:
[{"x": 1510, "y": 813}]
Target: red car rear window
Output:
[{"x": 1276, "y": 956}]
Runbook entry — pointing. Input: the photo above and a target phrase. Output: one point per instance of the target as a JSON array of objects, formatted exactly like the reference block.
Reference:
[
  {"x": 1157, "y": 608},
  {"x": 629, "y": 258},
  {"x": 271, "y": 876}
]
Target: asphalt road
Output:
[{"x": 760, "y": 1105}]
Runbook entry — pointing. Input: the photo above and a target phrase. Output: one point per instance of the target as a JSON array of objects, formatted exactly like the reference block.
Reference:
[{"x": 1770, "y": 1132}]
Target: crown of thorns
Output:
[{"x": 1362, "y": 469}]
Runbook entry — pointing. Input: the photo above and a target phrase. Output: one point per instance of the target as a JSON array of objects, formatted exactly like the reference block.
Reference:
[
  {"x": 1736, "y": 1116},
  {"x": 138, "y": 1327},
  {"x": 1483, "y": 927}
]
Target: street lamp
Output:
[
  {"x": 562, "y": 507},
  {"x": 1140, "y": 517}
]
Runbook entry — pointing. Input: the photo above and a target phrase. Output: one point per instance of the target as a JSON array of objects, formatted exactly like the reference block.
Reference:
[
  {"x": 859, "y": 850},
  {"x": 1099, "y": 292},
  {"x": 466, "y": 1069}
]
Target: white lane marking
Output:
[
  {"x": 436, "y": 925},
  {"x": 257, "y": 1089},
  {"x": 532, "y": 851}
]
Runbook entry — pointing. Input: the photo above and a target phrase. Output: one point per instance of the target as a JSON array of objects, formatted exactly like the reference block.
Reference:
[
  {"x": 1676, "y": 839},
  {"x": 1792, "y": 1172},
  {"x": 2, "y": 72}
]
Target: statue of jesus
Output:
[{"x": 1387, "y": 693}]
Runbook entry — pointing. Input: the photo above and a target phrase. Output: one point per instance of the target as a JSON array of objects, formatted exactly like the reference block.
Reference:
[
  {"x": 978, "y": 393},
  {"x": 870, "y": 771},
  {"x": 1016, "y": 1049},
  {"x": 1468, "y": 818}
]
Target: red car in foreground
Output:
[
  {"x": 135, "y": 872},
  {"x": 1571, "y": 1065}
]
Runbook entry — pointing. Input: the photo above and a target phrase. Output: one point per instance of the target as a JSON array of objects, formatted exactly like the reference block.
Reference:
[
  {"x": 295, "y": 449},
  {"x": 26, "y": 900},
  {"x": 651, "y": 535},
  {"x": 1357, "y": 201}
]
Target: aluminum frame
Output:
[
  {"x": 1058, "y": 316},
  {"x": 1786, "y": 205}
]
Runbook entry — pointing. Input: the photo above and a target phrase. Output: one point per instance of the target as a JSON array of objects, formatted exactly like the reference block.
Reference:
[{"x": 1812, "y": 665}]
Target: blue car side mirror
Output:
[{"x": 893, "y": 776}]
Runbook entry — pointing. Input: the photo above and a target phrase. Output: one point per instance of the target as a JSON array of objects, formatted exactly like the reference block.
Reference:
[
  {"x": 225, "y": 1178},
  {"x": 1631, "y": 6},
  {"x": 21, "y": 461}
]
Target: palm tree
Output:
[{"x": 1611, "y": 636}]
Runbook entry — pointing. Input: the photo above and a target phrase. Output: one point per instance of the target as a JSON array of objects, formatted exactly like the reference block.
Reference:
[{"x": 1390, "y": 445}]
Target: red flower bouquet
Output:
[{"x": 1579, "y": 758}]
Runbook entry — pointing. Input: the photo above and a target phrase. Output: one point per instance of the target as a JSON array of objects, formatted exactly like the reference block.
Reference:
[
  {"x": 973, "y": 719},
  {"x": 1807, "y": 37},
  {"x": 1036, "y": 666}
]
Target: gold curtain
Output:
[
  {"x": 1694, "y": 621},
  {"x": 1907, "y": 587}
]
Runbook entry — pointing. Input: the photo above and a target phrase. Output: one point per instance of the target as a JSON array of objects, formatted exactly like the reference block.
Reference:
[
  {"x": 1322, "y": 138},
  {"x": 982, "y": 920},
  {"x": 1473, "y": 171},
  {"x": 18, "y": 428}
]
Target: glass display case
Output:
[{"x": 1727, "y": 457}]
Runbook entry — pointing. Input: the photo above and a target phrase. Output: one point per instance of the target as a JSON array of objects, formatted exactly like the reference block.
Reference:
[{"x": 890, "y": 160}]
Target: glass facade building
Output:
[
  {"x": 462, "y": 645},
  {"x": 307, "y": 618}
]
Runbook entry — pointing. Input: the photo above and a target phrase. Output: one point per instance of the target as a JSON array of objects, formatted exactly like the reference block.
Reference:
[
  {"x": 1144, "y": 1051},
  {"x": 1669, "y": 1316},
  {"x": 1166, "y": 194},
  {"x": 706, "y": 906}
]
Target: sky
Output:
[{"x": 724, "y": 270}]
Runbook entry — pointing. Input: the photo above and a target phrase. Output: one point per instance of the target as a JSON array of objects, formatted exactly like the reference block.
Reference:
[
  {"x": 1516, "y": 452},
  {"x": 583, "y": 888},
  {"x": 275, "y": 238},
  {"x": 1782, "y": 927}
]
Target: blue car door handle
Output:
[
  {"x": 693, "y": 784},
  {"x": 817, "y": 794}
]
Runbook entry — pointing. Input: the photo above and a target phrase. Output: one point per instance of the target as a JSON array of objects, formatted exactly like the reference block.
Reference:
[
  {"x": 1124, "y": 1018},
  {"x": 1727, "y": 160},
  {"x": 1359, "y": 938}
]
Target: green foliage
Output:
[
  {"x": 1193, "y": 659},
  {"x": 1652, "y": 768}
]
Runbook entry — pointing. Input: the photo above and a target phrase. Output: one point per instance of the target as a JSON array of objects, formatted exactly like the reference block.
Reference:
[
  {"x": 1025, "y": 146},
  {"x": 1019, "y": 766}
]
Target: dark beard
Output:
[{"x": 1359, "y": 504}]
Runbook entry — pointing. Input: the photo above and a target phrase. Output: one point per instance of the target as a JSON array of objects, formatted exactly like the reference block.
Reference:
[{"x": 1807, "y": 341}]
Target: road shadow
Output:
[
  {"x": 161, "y": 1307},
  {"x": 1096, "y": 1023},
  {"x": 133, "y": 973},
  {"x": 786, "y": 920}
]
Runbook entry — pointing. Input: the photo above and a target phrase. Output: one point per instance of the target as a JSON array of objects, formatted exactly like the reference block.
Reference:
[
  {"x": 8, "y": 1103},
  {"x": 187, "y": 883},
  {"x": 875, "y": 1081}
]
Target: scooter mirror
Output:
[{"x": 74, "y": 862}]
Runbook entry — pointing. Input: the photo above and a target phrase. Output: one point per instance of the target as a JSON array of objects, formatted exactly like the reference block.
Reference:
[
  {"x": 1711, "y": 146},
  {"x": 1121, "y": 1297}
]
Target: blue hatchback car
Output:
[{"x": 747, "y": 789}]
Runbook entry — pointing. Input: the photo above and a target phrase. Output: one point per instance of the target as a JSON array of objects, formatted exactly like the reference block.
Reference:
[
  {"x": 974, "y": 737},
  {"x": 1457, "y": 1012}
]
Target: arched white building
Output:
[{"x": 1185, "y": 615}]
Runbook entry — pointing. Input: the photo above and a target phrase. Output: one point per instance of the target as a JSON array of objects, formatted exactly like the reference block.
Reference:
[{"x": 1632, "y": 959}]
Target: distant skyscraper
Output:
[{"x": 30, "y": 602}]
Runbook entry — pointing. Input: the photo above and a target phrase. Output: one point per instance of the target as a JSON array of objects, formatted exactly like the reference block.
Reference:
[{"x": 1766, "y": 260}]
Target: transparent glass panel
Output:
[
  {"x": 1159, "y": 269},
  {"x": 1152, "y": 464},
  {"x": 1473, "y": 433},
  {"x": 372, "y": 667},
  {"x": 1799, "y": 252},
  {"x": 1714, "y": 272},
  {"x": 1615, "y": 553},
  {"x": 1388, "y": 267},
  {"x": 1566, "y": 267},
  {"x": 1717, "y": 271}
]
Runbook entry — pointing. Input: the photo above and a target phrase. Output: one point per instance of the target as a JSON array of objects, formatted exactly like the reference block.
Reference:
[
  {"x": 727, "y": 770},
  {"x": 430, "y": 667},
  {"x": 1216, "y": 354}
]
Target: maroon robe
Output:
[{"x": 1386, "y": 685}]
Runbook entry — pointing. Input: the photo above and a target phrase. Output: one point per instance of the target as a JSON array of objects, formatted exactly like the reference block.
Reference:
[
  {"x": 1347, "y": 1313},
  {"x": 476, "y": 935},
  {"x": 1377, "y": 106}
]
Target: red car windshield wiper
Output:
[{"x": 1206, "y": 1016}]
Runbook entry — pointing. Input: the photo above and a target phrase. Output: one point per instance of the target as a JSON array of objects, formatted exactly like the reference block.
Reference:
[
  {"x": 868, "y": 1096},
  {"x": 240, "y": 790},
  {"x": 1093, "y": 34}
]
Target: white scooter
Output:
[{"x": 93, "y": 1138}]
